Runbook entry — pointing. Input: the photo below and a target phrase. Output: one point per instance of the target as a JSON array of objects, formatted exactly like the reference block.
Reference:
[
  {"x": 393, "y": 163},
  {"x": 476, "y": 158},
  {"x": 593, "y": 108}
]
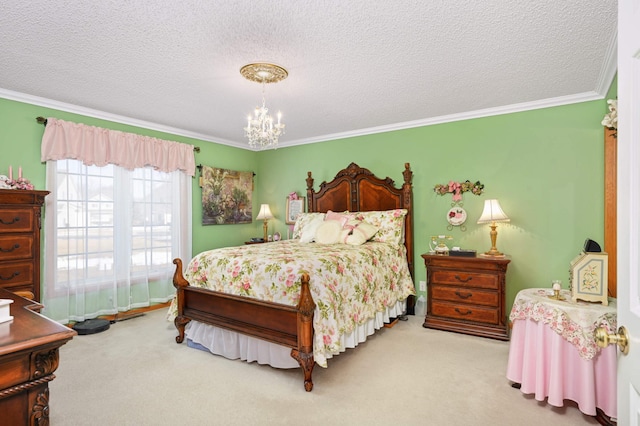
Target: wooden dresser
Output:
[
  {"x": 467, "y": 295},
  {"x": 20, "y": 222},
  {"x": 28, "y": 357}
]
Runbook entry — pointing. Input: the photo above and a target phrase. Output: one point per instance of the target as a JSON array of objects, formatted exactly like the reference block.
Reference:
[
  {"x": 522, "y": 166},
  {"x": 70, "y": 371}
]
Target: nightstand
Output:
[
  {"x": 466, "y": 295},
  {"x": 254, "y": 242}
]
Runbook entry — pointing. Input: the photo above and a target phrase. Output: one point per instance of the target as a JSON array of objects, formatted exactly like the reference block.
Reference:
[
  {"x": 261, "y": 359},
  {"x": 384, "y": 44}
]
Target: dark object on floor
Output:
[{"x": 91, "y": 326}]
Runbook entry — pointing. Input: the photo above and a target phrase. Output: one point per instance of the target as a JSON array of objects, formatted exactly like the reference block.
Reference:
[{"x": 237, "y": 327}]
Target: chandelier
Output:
[{"x": 261, "y": 129}]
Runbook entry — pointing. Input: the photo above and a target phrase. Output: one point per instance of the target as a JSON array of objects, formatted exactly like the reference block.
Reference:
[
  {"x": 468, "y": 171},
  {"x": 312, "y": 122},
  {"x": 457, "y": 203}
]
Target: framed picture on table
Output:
[{"x": 294, "y": 208}]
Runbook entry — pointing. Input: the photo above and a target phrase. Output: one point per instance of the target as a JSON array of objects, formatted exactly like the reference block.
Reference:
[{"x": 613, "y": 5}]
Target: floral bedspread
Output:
[
  {"x": 574, "y": 321},
  {"x": 349, "y": 283}
]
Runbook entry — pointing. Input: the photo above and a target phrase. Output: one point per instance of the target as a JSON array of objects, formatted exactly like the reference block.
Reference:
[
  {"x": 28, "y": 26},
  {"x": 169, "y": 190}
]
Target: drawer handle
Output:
[
  {"x": 463, "y": 313},
  {"x": 15, "y": 219},
  {"x": 463, "y": 296},
  {"x": 466, "y": 280},
  {"x": 15, "y": 274},
  {"x": 9, "y": 250}
]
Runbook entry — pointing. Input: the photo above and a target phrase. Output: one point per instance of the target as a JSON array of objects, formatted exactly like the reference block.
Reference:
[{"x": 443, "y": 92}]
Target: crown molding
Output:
[
  {"x": 102, "y": 115},
  {"x": 508, "y": 109},
  {"x": 609, "y": 68}
]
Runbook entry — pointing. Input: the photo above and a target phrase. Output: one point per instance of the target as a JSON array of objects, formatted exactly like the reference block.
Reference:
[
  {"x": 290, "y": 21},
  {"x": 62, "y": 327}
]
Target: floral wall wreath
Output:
[
  {"x": 456, "y": 216},
  {"x": 459, "y": 188},
  {"x": 610, "y": 120}
]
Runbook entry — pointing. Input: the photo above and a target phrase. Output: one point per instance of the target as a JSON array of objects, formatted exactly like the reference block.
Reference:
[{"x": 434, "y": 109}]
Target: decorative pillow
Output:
[
  {"x": 343, "y": 218},
  {"x": 308, "y": 234},
  {"x": 360, "y": 233},
  {"x": 390, "y": 224},
  {"x": 303, "y": 220},
  {"x": 329, "y": 232}
]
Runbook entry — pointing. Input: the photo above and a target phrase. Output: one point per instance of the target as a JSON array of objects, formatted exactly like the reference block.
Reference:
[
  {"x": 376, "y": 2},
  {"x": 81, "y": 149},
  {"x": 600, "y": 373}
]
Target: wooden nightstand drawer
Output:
[
  {"x": 464, "y": 312},
  {"x": 470, "y": 279},
  {"x": 465, "y": 295},
  {"x": 16, "y": 220},
  {"x": 16, "y": 247}
]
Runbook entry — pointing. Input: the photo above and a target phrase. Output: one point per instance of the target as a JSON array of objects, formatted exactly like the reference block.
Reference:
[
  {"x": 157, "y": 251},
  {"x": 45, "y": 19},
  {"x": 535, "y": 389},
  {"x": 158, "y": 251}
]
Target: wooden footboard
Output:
[{"x": 274, "y": 322}]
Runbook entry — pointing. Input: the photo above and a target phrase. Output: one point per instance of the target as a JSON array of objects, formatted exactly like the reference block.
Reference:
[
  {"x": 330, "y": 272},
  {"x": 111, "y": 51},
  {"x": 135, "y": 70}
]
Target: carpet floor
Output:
[{"x": 135, "y": 374}]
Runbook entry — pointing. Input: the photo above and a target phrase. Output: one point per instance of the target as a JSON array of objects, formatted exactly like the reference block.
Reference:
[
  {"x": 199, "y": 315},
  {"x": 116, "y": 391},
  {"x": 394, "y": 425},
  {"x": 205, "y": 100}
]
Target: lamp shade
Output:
[
  {"x": 265, "y": 213},
  {"x": 492, "y": 212}
]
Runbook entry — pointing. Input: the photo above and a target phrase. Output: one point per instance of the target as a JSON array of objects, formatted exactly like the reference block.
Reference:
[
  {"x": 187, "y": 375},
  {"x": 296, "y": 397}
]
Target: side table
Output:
[
  {"x": 553, "y": 353},
  {"x": 467, "y": 295}
]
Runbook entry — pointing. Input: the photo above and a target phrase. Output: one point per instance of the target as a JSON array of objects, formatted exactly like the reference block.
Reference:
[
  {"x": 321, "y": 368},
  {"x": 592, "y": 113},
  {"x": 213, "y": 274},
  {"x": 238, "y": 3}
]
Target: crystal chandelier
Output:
[{"x": 261, "y": 129}]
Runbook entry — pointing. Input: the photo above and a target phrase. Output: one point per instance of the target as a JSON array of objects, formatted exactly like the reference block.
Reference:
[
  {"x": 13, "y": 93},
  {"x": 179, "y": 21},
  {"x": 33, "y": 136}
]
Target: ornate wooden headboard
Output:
[{"x": 356, "y": 189}]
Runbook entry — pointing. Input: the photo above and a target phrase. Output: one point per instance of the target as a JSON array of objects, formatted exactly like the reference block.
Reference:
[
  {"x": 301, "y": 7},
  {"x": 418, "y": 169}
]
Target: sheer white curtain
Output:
[{"x": 111, "y": 232}]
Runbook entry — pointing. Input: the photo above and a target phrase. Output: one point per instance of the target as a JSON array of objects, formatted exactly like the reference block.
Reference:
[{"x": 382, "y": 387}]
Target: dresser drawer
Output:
[
  {"x": 467, "y": 279},
  {"x": 15, "y": 273},
  {"x": 465, "y": 295},
  {"x": 16, "y": 220},
  {"x": 16, "y": 247},
  {"x": 464, "y": 312},
  {"x": 14, "y": 370}
]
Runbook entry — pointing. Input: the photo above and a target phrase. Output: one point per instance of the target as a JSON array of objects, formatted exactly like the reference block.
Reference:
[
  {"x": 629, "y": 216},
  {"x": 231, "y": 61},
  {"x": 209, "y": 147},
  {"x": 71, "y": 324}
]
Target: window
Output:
[{"x": 112, "y": 237}]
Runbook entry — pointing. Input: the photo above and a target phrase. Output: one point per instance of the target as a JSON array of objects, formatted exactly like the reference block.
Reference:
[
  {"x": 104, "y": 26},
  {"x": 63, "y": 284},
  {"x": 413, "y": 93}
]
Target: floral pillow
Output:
[
  {"x": 390, "y": 224},
  {"x": 306, "y": 220}
]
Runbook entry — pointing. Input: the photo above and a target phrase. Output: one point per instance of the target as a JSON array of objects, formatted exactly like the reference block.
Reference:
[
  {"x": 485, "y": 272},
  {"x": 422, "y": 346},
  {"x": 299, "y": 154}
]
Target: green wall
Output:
[
  {"x": 545, "y": 166},
  {"x": 21, "y": 135}
]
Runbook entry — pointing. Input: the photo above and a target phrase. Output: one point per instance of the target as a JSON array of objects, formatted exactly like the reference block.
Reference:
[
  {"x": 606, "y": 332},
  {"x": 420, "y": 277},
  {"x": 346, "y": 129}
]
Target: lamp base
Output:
[{"x": 493, "y": 253}]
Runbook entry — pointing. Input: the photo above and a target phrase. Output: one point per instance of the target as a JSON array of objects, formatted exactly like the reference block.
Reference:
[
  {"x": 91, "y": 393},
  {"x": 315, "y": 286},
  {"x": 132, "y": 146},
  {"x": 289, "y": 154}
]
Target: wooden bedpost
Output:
[
  {"x": 179, "y": 282},
  {"x": 309, "y": 192},
  {"x": 304, "y": 353}
]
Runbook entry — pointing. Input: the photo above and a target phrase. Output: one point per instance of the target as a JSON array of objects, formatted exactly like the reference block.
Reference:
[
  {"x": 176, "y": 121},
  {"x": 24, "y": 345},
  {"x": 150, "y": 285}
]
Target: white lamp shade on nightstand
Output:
[
  {"x": 265, "y": 213},
  {"x": 492, "y": 212}
]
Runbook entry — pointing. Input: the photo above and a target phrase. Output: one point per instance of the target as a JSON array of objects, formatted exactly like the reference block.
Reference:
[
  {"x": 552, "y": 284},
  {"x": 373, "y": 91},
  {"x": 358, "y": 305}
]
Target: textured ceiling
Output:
[{"x": 355, "y": 67}]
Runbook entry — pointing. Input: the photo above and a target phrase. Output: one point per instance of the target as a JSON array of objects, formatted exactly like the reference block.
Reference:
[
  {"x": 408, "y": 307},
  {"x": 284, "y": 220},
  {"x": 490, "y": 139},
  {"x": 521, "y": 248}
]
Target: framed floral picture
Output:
[{"x": 294, "y": 208}]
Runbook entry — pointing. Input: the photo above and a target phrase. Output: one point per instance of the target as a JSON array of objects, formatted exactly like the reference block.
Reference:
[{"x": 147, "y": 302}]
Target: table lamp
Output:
[
  {"x": 493, "y": 213},
  {"x": 265, "y": 214}
]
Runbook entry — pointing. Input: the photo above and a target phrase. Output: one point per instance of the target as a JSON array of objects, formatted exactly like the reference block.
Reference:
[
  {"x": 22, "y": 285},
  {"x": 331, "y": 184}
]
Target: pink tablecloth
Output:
[{"x": 547, "y": 365}]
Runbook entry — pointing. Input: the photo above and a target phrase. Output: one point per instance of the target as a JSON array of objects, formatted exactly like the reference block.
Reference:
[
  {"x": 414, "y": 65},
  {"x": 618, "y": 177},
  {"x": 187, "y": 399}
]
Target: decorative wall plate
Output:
[{"x": 456, "y": 216}]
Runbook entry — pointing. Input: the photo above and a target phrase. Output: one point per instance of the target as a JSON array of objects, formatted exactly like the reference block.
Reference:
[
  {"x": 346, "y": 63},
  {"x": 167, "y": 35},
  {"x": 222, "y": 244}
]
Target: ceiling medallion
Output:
[
  {"x": 263, "y": 72},
  {"x": 261, "y": 130}
]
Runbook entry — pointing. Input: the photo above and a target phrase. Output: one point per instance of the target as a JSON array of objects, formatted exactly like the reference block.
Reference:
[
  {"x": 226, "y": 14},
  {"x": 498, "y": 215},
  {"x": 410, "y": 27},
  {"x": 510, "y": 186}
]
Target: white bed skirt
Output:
[{"x": 234, "y": 345}]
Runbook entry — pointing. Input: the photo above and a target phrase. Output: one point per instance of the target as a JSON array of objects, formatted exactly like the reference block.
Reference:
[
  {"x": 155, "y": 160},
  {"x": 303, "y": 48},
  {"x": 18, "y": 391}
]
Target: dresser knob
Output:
[
  {"x": 463, "y": 313},
  {"x": 15, "y": 274},
  {"x": 15, "y": 219},
  {"x": 463, "y": 280},
  {"x": 463, "y": 296},
  {"x": 9, "y": 250}
]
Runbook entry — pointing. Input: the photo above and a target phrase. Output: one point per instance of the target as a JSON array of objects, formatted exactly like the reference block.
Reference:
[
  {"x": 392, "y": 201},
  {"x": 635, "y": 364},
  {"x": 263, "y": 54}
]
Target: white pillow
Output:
[
  {"x": 302, "y": 221},
  {"x": 329, "y": 232},
  {"x": 361, "y": 233},
  {"x": 308, "y": 233}
]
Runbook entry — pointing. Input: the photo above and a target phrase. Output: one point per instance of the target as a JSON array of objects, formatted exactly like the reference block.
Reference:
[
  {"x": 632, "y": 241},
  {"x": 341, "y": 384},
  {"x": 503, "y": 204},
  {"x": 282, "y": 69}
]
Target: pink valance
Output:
[{"x": 99, "y": 147}]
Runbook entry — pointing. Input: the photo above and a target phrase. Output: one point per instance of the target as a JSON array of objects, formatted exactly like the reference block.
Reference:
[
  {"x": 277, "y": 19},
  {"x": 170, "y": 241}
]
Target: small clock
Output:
[{"x": 588, "y": 278}]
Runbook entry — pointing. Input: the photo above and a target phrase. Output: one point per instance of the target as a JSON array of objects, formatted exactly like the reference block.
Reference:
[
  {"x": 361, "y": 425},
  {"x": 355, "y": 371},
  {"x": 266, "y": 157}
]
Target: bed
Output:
[{"x": 308, "y": 314}]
